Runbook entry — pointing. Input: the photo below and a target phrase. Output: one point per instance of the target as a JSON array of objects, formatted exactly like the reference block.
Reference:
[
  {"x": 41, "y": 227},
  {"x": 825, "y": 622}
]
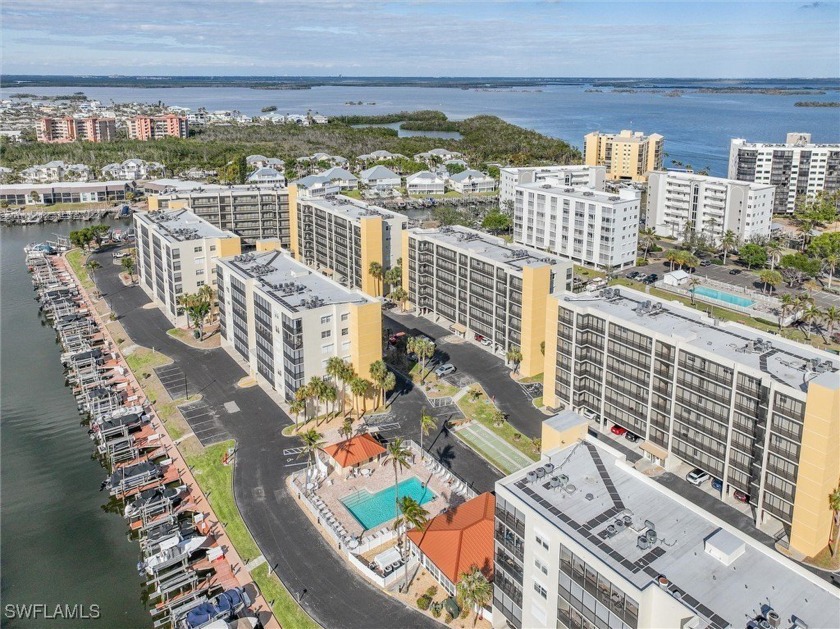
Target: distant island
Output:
[
  {"x": 816, "y": 103},
  {"x": 268, "y": 109}
]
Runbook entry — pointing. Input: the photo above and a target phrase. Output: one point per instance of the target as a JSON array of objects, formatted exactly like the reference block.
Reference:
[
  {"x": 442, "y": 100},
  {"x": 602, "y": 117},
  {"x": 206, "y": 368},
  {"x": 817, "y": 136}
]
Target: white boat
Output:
[{"x": 171, "y": 552}]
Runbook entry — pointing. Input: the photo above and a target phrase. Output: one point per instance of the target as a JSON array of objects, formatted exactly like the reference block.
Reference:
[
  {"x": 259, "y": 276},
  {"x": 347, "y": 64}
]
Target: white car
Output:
[
  {"x": 697, "y": 476},
  {"x": 445, "y": 370},
  {"x": 640, "y": 277},
  {"x": 486, "y": 342}
]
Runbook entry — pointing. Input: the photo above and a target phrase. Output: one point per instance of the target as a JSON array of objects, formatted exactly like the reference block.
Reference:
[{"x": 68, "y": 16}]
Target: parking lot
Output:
[{"x": 204, "y": 422}]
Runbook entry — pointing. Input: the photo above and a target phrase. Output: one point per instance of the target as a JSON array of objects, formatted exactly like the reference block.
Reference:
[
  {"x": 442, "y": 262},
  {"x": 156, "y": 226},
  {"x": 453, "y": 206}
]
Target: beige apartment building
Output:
[
  {"x": 69, "y": 129},
  {"x": 176, "y": 255},
  {"x": 627, "y": 156}
]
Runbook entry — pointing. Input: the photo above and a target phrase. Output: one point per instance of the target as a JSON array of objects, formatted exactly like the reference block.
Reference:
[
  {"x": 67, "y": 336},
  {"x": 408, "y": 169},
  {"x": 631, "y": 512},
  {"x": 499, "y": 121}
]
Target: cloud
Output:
[
  {"x": 333, "y": 30},
  {"x": 812, "y": 5}
]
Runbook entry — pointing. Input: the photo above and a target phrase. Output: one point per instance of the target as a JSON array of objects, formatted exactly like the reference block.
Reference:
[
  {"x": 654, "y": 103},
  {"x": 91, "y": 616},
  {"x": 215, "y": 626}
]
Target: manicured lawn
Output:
[
  {"x": 217, "y": 481},
  {"x": 142, "y": 360},
  {"x": 77, "y": 258},
  {"x": 538, "y": 402},
  {"x": 482, "y": 410},
  {"x": 531, "y": 379},
  {"x": 353, "y": 194}
]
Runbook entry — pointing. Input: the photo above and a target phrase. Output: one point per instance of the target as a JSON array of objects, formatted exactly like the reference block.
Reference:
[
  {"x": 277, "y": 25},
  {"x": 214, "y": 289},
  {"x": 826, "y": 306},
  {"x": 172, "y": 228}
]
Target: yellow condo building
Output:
[{"x": 627, "y": 156}]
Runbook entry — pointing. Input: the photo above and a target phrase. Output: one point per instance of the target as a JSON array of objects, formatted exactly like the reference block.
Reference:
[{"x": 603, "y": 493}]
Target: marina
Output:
[
  {"x": 35, "y": 217},
  {"x": 187, "y": 564}
]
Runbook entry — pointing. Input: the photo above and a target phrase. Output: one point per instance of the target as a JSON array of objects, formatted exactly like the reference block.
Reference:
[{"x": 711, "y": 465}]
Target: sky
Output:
[{"x": 559, "y": 38}]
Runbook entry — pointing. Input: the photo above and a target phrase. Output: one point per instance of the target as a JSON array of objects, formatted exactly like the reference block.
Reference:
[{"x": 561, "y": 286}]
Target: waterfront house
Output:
[
  {"x": 341, "y": 176},
  {"x": 425, "y": 182},
  {"x": 380, "y": 178},
  {"x": 471, "y": 181},
  {"x": 267, "y": 175}
]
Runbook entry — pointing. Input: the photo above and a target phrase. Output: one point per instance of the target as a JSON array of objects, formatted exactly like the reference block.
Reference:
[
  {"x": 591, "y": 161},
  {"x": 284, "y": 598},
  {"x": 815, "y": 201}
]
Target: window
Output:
[
  {"x": 328, "y": 349},
  {"x": 199, "y": 283},
  {"x": 541, "y": 541},
  {"x": 539, "y": 589},
  {"x": 197, "y": 250},
  {"x": 199, "y": 271},
  {"x": 212, "y": 247},
  {"x": 345, "y": 316},
  {"x": 345, "y": 331},
  {"x": 326, "y": 319},
  {"x": 199, "y": 261},
  {"x": 325, "y": 334},
  {"x": 541, "y": 566}
]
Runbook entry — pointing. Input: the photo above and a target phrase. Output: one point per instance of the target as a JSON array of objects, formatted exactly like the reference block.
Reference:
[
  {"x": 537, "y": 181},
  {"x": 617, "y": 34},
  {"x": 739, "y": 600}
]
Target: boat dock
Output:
[
  {"x": 37, "y": 217},
  {"x": 188, "y": 560}
]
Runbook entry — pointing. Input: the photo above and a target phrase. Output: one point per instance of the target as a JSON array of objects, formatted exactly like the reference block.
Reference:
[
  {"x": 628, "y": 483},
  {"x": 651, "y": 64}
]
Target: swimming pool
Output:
[
  {"x": 371, "y": 510},
  {"x": 727, "y": 298}
]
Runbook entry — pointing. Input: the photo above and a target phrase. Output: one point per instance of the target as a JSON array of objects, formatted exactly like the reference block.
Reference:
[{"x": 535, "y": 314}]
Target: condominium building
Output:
[
  {"x": 481, "y": 285},
  {"x": 797, "y": 168},
  {"x": 253, "y": 212},
  {"x": 69, "y": 129},
  {"x": 286, "y": 321},
  {"x": 708, "y": 206},
  {"x": 176, "y": 255},
  {"x": 341, "y": 237},
  {"x": 425, "y": 182},
  {"x": 583, "y": 539},
  {"x": 758, "y": 412},
  {"x": 157, "y": 127},
  {"x": 65, "y": 192},
  {"x": 471, "y": 181},
  {"x": 587, "y": 226},
  {"x": 627, "y": 156},
  {"x": 132, "y": 169},
  {"x": 576, "y": 176}
]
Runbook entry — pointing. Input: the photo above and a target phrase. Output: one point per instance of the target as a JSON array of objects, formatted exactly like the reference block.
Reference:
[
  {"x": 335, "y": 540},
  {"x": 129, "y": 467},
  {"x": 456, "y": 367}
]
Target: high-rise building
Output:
[
  {"x": 708, "y": 206},
  {"x": 157, "y": 127},
  {"x": 627, "y": 156},
  {"x": 254, "y": 212},
  {"x": 587, "y": 226},
  {"x": 797, "y": 168},
  {"x": 286, "y": 321},
  {"x": 576, "y": 176},
  {"x": 342, "y": 237},
  {"x": 481, "y": 285},
  {"x": 69, "y": 129},
  {"x": 583, "y": 539},
  {"x": 754, "y": 410},
  {"x": 176, "y": 255}
]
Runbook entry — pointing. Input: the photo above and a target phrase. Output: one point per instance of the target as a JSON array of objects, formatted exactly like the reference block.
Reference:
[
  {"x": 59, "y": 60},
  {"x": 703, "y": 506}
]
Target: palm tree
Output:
[
  {"x": 379, "y": 374},
  {"x": 315, "y": 388},
  {"x": 346, "y": 429},
  {"x": 647, "y": 239},
  {"x": 411, "y": 513},
  {"x": 336, "y": 369},
  {"x": 810, "y": 316},
  {"x": 831, "y": 317},
  {"x": 514, "y": 356},
  {"x": 128, "y": 267},
  {"x": 834, "y": 505},
  {"x": 728, "y": 243},
  {"x": 770, "y": 278},
  {"x": 311, "y": 442},
  {"x": 297, "y": 407},
  {"x": 359, "y": 387},
  {"x": 427, "y": 424},
  {"x": 830, "y": 263},
  {"x": 376, "y": 272},
  {"x": 788, "y": 304},
  {"x": 672, "y": 256},
  {"x": 329, "y": 394},
  {"x": 92, "y": 266},
  {"x": 398, "y": 453},
  {"x": 474, "y": 590},
  {"x": 806, "y": 225},
  {"x": 388, "y": 384},
  {"x": 400, "y": 296},
  {"x": 774, "y": 250},
  {"x": 692, "y": 284},
  {"x": 424, "y": 349}
]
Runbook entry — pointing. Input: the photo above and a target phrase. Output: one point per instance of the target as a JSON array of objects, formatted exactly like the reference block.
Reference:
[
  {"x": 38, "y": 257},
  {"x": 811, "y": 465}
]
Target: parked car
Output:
[
  {"x": 717, "y": 484},
  {"x": 633, "y": 275},
  {"x": 735, "y": 272},
  {"x": 394, "y": 339},
  {"x": 697, "y": 476},
  {"x": 641, "y": 277},
  {"x": 618, "y": 430},
  {"x": 445, "y": 370},
  {"x": 705, "y": 263},
  {"x": 486, "y": 342},
  {"x": 631, "y": 437},
  {"x": 653, "y": 277},
  {"x": 740, "y": 496}
]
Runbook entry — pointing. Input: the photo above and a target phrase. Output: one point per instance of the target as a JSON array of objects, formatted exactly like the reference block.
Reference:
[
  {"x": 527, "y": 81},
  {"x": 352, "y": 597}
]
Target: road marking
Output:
[{"x": 291, "y": 451}]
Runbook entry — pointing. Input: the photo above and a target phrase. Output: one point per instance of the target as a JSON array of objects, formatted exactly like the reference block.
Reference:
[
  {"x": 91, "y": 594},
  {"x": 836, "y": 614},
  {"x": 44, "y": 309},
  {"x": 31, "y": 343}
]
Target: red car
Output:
[
  {"x": 618, "y": 430},
  {"x": 740, "y": 496}
]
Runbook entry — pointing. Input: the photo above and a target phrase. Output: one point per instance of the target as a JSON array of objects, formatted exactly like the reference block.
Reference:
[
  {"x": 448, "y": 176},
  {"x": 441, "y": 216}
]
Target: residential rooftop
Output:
[
  {"x": 691, "y": 176},
  {"x": 587, "y": 490},
  {"x": 174, "y": 186},
  {"x": 60, "y": 186},
  {"x": 290, "y": 283},
  {"x": 581, "y": 193},
  {"x": 787, "y": 362},
  {"x": 351, "y": 208},
  {"x": 489, "y": 247},
  {"x": 183, "y": 225}
]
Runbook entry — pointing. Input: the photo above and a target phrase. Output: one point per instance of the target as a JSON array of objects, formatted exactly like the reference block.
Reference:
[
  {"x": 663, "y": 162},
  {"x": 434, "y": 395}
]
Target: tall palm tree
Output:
[
  {"x": 398, "y": 453},
  {"x": 831, "y": 317},
  {"x": 315, "y": 388},
  {"x": 514, "y": 355},
  {"x": 379, "y": 374},
  {"x": 834, "y": 505},
  {"x": 297, "y": 407},
  {"x": 329, "y": 395},
  {"x": 647, "y": 239},
  {"x": 774, "y": 250},
  {"x": 424, "y": 349},
  {"x": 359, "y": 387},
  {"x": 338, "y": 370},
  {"x": 672, "y": 255},
  {"x": 830, "y": 263},
  {"x": 411, "y": 513},
  {"x": 810, "y": 316},
  {"x": 787, "y": 306},
  {"x": 311, "y": 440},
  {"x": 346, "y": 429},
  {"x": 427, "y": 425},
  {"x": 376, "y": 272},
  {"x": 728, "y": 243},
  {"x": 92, "y": 266},
  {"x": 474, "y": 590}
]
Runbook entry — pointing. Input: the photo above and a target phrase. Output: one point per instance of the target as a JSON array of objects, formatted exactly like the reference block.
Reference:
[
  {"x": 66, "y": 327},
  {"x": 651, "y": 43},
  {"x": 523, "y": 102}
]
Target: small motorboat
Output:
[
  {"x": 131, "y": 476},
  {"x": 218, "y": 612},
  {"x": 172, "y": 551},
  {"x": 154, "y": 498}
]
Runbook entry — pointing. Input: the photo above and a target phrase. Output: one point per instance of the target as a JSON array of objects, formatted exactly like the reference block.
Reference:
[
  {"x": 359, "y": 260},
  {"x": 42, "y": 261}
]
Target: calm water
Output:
[
  {"x": 697, "y": 127},
  {"x": 58, "y": 544}
]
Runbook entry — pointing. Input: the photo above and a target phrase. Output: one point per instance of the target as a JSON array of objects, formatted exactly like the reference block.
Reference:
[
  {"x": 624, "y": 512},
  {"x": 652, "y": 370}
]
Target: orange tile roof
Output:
[
  {"x": 358, "y": 449},
  {"x": 462, "y": 538}
]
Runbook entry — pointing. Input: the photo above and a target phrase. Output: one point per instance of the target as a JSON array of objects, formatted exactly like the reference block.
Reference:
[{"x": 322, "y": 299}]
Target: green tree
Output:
[
  {"x": 398, "y": 454},
  {"x": 427, "y": 424},
  {"x": 236, "y": 171},
  {"x": 672, "y": 255},
  {"x": 692, "y": 284},
  {"x": 774, "y": 252},
  {"x": 728, "y": 243},
  {"x": 400, "y": 296},
  {"x": 298, "y": 405},
  {"x": 514, "y": 355},
  {"x": 345, "y": 431},
  {"x": 647, "y": 239},
  {"x": 35, "y": 197},
  {"x": 127, "y": 264},
  {"x": 474, "y": 590},
  {"x": 197, "y": 313},
  {"x": 311, "y": 440},
  {"x": 92, "y": 266},
  {"x": 770, "y": 279},
  {"x": 359, "y": 388},
  {"x": 787, "y": 303},
  {"x": 797, "y": 267},
  {"x": 379, "y": 374},
  {"x": 411, "y": 514},
  {"x": 424, "y": 350},
  {"x": 376, "y": 272},
  {"x": 753, "y": 255},
  {"x": 831, "y": 317},
  {"x": 810, "y": 316},
  {"x": 834, "y": 505},
  {"x": 827, "y": 248},
  {"x": 496, "y": 221}
]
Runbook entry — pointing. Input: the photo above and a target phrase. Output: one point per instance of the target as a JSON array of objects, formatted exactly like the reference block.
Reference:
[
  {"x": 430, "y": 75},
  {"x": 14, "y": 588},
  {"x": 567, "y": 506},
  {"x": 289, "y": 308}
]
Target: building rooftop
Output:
[
  {"x": 690, "y": 176},
  {"x": 591, "y": 494},
  {"x": 582, "y": 193},
  {"x": 183, "y": 225},
  {"x": 179, "y": 186},
  {"x": 378, "y": 172},
  {"x": 289, "y": 283},
  {"x": 69, "y": 186},
  {"x": 460, "y": 538},
  {"x": 468, "y": 174},
  {"x": 787, "y": 362},
  {"x": 359, "y": 449},
  {"x": 489, "y": 247},
  {"x": 625, "y": 135},
  {"x": 351, "y": 208},
  {"x": 336, "y": 172}
]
